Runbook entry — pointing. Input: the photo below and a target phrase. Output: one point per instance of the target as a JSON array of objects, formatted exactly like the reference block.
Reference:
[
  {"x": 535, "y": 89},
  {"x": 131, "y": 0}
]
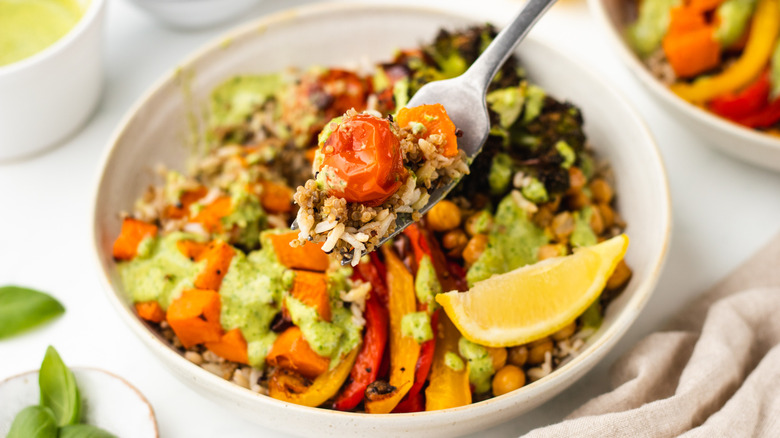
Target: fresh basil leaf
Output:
[
  {"x": 58, "y": 389},
  {"x": 34, "y": 422},
  {"x": 84, "y": 431},
  {"x": 22, "y": 309}
]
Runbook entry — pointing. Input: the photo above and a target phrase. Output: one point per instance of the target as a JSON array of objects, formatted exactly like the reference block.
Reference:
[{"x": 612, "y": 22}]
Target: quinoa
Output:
[{"x": 349, "y": 229}]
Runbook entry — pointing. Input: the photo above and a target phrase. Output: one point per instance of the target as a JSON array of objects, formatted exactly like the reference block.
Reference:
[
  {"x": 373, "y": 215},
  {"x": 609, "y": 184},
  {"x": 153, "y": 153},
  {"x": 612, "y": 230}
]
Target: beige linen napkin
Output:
[{"x": 715, "y": 372}]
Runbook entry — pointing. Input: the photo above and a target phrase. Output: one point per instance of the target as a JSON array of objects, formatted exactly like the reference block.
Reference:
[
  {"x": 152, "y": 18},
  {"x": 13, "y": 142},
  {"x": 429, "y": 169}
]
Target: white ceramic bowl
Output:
[
  {"x": 108, "y": 401},
  {"x": 48, "y": 96},
  {"x": 324, "y": 35},
  {"x": 731, "y": 138},
  {"x": 194, "y": 14}
]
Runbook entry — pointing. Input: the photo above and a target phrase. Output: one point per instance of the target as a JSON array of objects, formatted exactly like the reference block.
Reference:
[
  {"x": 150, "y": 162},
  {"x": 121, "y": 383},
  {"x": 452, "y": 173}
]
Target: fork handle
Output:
[{"x": 490, "y": 61}]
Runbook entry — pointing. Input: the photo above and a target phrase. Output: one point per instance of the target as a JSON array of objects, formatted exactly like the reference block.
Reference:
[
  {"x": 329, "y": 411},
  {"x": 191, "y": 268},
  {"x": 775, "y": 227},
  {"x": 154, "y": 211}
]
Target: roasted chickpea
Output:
[
  {"x": 620, "y": 277},
  {"x": 601, "y": 191},
  {"x": 596, "y": 221},
  {"x": 479, "y": 223},
  {"x": 607, "y": 215},
  {"x": 577, "y": 179},
  {"x": 565, "y": 332},
  {"x": 518, "y": 355},
  {"x": 454, "y": 241},
  {"x": 537, "y": 350},
  {"x": 474, "y": 248},
  {"x": 499, "y": 355},
  {"x": 563, "y": 225},
  {"x": 548, "y": 251},
  {"x": 577, "y": 200},
  {"x": 507, "y": 379},
  {"x": 444, "y": 216},
  {"x": 543, "y": 217}
]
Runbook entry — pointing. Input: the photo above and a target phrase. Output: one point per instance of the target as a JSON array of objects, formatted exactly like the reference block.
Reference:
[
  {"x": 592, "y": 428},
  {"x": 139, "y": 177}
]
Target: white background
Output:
[{"x": 723, "y": 211}]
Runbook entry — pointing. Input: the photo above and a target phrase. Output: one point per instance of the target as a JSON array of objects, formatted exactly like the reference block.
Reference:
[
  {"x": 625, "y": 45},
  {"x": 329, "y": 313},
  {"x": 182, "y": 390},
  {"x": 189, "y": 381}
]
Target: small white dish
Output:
[
  {"x": 154, "y": 130},
  {"x": 48, "y": 96},
  {"x": 108, "y": 401},
  {"x": 731, "y": 138},
  {"x": 194, "y": 14}
]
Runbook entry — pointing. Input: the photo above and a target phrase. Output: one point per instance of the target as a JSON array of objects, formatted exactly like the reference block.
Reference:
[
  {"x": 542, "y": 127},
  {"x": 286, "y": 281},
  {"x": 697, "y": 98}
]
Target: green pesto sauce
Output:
[
  {"x": 329, "y": 339},
  {"x": 645, "y": 35},
  {"x": 29, "y": 26},
  {"x": 417, "y": 325},
  {"x": 453, "y": 361},
  {"x": 426, "y": 284},
  {"x": 235, "y": 99},
  {"x": 160, "y": 272},
  {"x": 480, "y": 364},
  {"x": 513, "y": 242},
  {"x": 247, "y": 216},
  {"x": 251, "y": 295},
  {"x": 732, "y": 21},
  {"x": 583, "y": 235}
]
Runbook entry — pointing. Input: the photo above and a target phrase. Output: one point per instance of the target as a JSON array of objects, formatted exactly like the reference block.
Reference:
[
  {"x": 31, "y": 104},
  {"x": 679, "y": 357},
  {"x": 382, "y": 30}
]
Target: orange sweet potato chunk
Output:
[
  {"x": 311, "y": 288},
  {"x": 217, "y": 255},
  {"x": 309, "y": 257},
  {"x": 132, "y": 233},
  {"x": 291, "y": 351},
  {"x": 194, "y": 317},
  {"x": 150, "y": 311},
  {"x": 231, "y": 346}
]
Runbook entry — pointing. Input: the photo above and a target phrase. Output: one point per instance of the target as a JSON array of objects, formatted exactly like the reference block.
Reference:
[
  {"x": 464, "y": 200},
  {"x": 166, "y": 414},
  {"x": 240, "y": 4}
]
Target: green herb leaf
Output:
[
  {"x": 58, "y": 389},
  {"x": 22, "y": 309},
  {"x": 84, "y": 431},
  {"x": 34, "y": 422}
]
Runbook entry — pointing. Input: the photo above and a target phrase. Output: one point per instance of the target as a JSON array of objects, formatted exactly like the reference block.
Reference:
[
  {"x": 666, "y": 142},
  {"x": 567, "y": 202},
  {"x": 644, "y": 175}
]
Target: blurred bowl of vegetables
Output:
[
  {"x": 156, "y": 130},
  {"x": 714, "y": 65}
]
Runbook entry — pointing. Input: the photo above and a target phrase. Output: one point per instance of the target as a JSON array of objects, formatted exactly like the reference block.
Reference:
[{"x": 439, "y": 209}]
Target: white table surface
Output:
[{"x": 724, "y": 210}]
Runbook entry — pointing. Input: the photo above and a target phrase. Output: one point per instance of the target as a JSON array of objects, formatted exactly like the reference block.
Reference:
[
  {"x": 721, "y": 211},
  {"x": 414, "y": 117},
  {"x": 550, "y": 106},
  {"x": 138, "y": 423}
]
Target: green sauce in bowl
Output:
[{"x": 29, "y": 26}]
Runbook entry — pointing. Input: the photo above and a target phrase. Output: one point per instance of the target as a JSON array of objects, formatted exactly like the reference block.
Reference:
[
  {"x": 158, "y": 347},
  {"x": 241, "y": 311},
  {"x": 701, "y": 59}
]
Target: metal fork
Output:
[{"x": 464, "y": 99}]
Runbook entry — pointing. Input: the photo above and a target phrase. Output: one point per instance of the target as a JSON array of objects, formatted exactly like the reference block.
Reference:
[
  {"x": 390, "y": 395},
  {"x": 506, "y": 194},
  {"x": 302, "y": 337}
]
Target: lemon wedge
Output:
[{"x": 536, "y": 300}]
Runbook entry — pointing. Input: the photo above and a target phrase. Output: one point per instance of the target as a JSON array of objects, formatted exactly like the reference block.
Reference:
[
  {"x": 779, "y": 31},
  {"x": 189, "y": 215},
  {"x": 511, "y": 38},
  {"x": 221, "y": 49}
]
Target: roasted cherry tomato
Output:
[{"x": 362, "y": 160}]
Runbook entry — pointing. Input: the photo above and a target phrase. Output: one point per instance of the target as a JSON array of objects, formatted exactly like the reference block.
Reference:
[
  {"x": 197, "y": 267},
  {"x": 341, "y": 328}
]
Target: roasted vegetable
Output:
[
  {"x": 404, "y": 351},
  {"x": 194, "y": 317},
  {"x": 291, "y": 351},
  {"x": 284, "y": 385},
  {"x": 132, "y": 234}
]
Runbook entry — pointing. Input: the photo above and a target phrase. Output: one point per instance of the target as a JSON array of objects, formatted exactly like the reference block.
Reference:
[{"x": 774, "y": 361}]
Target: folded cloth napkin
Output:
[{"x": 715, "y": 372}]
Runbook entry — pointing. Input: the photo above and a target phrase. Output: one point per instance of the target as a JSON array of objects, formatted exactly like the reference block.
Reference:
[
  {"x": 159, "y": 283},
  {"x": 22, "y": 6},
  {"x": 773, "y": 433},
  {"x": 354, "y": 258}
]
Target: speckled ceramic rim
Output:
[
  {"x": 94, "y": 9},
  {"x": 140, "y": 395},
  {"x": 578, "y": 366},
  {"x": 638, "y": 68}
]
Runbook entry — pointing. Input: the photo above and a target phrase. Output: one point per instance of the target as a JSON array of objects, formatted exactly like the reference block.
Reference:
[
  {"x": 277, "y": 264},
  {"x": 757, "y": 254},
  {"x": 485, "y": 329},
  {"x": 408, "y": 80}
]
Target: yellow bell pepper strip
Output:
[
  {"x": 448, "y": 387},
  {"x": 765, "y": 27},
  {"x": 290, "y": 387},
  {"x": 404, "y": 351}
]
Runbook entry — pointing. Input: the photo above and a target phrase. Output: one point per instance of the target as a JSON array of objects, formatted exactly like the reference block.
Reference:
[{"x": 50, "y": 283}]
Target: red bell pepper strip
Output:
[
  {"x": 411, "y": 404},
  {"x": 369, "y": 359},
  {"x": 765, "y": 118},
  {"x": 413, "y": 401},
  {"x": 745, "y": 103},
  {"x": 372, "y": 273}
]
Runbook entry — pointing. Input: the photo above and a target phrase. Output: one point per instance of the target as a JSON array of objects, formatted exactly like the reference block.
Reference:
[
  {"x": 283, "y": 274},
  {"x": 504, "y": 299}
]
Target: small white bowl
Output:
[
  {"x": 731, "y": 138},
  {"x": 194, "y": 14},
  {"x": 154, "y": 130},
  {"x": 48, "y": 96},
  {"x": 108, "y": 402}
]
